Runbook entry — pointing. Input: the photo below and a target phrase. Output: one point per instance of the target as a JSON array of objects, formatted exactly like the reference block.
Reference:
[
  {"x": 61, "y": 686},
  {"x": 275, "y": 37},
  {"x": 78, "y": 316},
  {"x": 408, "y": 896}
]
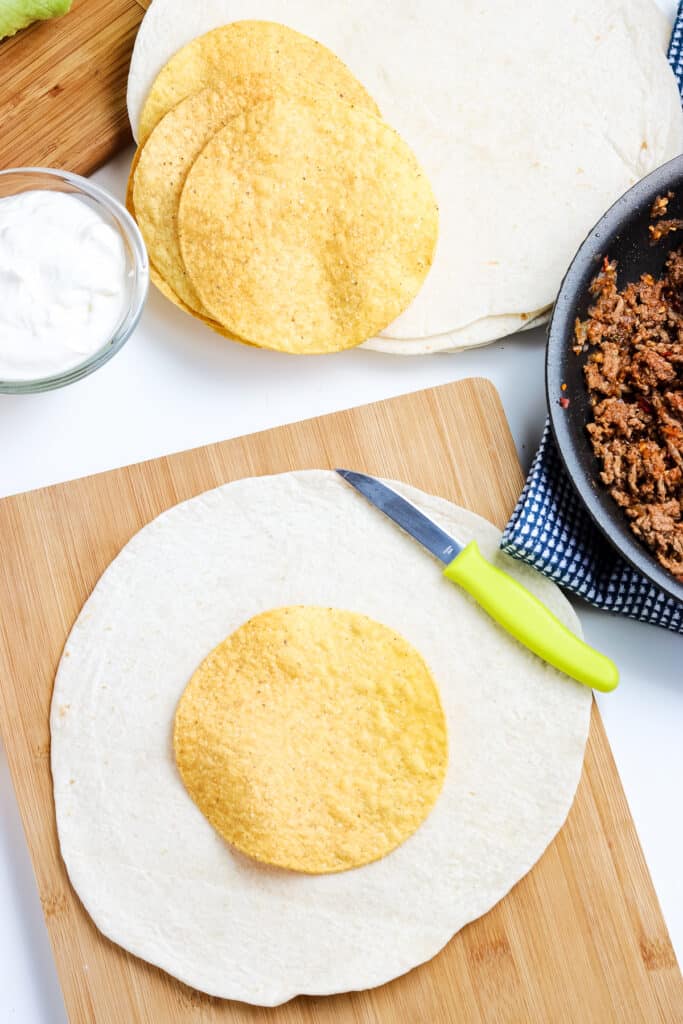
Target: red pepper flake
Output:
[
  {"x": 644, "y": 405},
  {"x": 564, "y": 402}
]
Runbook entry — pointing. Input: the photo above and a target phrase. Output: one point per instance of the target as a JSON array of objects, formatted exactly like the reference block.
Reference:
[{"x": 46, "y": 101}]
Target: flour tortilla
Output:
[
  {"x": 149, "y": 867},
  {"x": 481, "y": 332},
  {"x": 526, "y": 142}
]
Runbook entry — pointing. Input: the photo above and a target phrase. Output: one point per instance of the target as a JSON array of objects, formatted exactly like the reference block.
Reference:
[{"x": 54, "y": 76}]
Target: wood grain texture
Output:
[
  {"x": 63, "y": 87},
  {"x": 580, "y": 939}
]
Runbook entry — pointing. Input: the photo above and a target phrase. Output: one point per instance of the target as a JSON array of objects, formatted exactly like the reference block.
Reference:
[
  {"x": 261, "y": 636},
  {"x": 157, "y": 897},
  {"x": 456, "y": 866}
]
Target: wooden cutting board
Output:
[
  {"x": 63, "y": 87},
  {"x": 580, "y": 939}
]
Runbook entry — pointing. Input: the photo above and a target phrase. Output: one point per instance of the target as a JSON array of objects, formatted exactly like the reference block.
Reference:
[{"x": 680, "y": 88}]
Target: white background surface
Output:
[{"x": 177, "y": 385}]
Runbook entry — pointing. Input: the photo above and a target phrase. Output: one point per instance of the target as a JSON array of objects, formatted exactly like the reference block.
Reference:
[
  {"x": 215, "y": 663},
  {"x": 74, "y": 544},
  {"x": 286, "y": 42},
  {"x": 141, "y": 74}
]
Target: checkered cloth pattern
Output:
[
  {"x": 676, "y": 48},
  {"x": 551, "y": 530}
]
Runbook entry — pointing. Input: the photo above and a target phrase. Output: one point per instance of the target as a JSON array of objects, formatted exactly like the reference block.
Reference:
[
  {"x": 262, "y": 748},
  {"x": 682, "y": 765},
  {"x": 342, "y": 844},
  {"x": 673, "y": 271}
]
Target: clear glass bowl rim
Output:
[{"x": 138, "y": 293}]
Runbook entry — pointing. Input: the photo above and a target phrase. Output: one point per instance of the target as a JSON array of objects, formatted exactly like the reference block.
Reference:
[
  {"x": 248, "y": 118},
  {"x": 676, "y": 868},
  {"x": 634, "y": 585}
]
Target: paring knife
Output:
[{"x": 507, "y": 601}]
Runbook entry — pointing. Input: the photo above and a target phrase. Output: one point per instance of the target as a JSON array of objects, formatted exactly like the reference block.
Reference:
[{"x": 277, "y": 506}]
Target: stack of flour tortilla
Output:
[{"x": 529, "y": 119}]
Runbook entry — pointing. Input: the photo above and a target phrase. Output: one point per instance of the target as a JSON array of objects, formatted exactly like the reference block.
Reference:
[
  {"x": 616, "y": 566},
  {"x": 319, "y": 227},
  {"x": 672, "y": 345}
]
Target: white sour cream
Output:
[{"x": 62, "y": 283}]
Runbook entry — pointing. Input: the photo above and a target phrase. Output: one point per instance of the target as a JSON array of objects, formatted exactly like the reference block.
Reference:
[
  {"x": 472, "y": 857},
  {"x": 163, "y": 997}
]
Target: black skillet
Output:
[{"x": 621, "y": 234}]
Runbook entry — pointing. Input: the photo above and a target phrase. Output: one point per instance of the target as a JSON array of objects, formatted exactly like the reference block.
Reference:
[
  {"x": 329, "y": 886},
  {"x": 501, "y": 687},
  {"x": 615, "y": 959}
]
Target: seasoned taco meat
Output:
[{"x": 634, "y": 373}]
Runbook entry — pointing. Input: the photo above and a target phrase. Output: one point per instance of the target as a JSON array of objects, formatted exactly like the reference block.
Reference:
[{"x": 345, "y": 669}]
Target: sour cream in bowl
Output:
[{"x": 74, "y": 276}]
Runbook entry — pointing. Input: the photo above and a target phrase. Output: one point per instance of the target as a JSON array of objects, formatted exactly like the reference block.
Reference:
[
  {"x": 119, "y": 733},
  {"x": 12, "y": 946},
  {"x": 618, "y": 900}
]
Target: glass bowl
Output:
[{"x": 24, "y": 179}]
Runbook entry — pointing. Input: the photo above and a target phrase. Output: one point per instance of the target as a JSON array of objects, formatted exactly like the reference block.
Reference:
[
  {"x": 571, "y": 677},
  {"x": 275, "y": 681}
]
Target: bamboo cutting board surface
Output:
[
  {"x": 63, "y": 87},
  {"x": 580, "y": 939}
]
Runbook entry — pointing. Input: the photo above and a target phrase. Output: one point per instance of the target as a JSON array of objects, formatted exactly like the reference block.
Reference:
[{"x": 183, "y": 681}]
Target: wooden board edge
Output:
[{"x": 481, "y": 382}]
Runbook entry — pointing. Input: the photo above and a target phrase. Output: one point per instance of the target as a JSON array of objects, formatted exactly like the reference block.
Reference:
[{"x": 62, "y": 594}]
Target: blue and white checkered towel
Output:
[{"x": 551, "y": 530}]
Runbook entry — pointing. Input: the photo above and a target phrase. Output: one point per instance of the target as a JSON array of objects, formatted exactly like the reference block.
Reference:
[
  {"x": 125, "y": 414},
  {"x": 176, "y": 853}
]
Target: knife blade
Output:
[{"x": 512, "y": 606}]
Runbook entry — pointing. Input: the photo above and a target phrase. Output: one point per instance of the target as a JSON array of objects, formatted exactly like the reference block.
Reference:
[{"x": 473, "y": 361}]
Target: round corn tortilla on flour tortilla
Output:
[
  {"x": 306, "y": 225},
  {"x": 312, "y": 739},
  {"x": 481, "y": 332},
  {"x": 152, "y": 871},
  {"x": 175, "y": 143},
  {"x": 336, "y": 283},
  {"x": 525, "y": 143},
  {"x": 163, "y": 164}
]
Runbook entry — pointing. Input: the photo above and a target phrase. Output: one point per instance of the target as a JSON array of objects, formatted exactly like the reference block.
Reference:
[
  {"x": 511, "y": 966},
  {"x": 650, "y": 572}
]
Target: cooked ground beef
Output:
[
  {"x": 661, "y": 205},
  {"x": 658, "y": 210},
  {"x": 634, "y": 373},
  {"x": 663, "y": 228}
]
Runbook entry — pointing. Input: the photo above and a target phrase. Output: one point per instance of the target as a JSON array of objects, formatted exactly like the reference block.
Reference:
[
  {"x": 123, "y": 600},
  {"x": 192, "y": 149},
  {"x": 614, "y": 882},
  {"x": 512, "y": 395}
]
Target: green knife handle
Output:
[{"x": 526, "y": 618}]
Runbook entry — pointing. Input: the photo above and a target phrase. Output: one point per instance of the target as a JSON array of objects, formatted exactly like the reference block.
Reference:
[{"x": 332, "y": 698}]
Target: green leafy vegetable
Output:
[{"x": 17, "y": 14}]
